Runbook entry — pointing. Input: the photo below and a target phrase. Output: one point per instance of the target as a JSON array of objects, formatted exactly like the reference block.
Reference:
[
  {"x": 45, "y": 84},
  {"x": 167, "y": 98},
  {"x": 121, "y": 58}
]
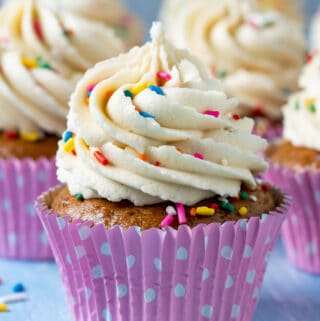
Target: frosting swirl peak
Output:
[{"x": 156, "y": 127}]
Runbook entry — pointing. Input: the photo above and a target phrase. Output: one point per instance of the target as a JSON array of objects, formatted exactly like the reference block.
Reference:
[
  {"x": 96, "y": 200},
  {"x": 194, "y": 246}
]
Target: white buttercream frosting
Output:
[
  {"x": 44, "y": 51},
  {"x": 177, "y": 141},
  {"x": 302, "y": 113},
  {"x": 257, "y": 53}
]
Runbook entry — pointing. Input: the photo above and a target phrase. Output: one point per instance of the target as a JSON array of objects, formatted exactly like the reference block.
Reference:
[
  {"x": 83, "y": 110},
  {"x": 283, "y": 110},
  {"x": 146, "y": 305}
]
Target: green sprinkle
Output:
[
  {"x": 79, "y": 197},
  {"x": 222, "y": 74},
  {"x": 227, "y": 206},
  {"x": 243, "y": 195},
  {"x": 312, "y": 108},
  {"x": 297, "y": 105},
  {"x": 42, "y": 63}
]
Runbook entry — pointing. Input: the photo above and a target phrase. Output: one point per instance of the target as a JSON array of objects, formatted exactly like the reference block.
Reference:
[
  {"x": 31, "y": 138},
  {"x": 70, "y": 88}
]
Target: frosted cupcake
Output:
[
  {"x": 295, "y": 166},
  {"x": 44, "y": 52},
  {"x": 159, "y": 146},
  {"x": 247, "y": 47}
]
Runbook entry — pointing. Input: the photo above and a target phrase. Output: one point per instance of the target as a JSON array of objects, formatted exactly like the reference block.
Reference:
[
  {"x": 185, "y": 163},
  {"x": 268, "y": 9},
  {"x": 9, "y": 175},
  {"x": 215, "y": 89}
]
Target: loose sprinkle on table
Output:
[
  {"x": 17, "y": 288},
  {"x": 3, "y": 307}
]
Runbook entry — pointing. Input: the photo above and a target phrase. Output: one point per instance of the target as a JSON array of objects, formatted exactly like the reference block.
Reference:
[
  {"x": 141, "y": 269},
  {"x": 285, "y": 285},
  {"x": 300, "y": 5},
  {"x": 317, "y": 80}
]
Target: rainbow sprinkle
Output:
[
  {"x": 30, "y": 137},
  {"x": 100, "y": 158},
  {"x": 213, "y": 113},
  {"x": 199, "y": 156},
  {"x": 243, "y": 211},
  {"x": 146, "y": 115},
  {"x": 163, "y": 75},
  {"x": 69, "y": 145},
  {"x": 205, "y": 211},
  {"x": 156, "y": 89},
  {"x": 67, "y": 135},
  {"x": 181, "y": 213}
]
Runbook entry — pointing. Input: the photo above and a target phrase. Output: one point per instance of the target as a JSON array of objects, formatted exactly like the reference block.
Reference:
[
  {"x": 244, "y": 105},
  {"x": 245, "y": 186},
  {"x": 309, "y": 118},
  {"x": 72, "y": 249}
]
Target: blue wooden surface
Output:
[{"x": 287, "y": 295}]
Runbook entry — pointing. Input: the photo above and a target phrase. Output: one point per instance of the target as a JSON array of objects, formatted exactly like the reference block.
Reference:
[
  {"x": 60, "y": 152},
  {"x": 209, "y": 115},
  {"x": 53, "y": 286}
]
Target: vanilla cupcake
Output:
[
  {"x": 244, "y": 45},
  {"x": 44, "y": 51},
  {"x": 160, "y": 197},
  {"x": 295, "y": 166}
]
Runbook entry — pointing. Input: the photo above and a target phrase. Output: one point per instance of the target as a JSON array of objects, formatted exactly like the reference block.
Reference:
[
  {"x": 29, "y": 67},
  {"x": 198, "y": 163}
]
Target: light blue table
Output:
[{"x": 287, "y": 294}]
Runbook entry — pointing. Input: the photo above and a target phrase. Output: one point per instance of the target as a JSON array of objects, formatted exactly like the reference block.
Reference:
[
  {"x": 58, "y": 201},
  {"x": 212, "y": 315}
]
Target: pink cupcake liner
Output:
[
  {"x": 210, "y": 272},
  {"x": 269, "y": 132},
  {"x": 21, "y": 182},
  {"x": 301, "y": 230}
]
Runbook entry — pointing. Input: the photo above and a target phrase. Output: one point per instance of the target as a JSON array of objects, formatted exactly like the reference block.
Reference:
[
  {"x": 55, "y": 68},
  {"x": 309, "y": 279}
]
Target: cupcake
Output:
[
  {"x": 160, "y": 217},
  {"x": 247, "y": 47},
  {"x": 295, "y": 166},
  {"x": 315, "y": 31},
  {"x": 44, "y": 51}
]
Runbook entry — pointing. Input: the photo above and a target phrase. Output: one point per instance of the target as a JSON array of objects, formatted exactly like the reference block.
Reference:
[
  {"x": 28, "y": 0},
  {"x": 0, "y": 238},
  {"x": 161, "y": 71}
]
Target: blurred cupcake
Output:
[
  {"x": 315, "y": 31},
  {"x": 44, "y": 51},
  {"x": 159, "y": 146},
  {"x": 295, "y": 166},
  {"x": 247, "y": 47}
]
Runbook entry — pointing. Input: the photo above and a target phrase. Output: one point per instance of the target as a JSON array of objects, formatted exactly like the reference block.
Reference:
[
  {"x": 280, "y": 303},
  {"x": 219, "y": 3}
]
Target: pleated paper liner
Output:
[
  {"x": 21, "y": 182},
  {"x": 268, "y": 131},
  {"x": 301, "y": 230},
  {"x": 210, "y": 272}
]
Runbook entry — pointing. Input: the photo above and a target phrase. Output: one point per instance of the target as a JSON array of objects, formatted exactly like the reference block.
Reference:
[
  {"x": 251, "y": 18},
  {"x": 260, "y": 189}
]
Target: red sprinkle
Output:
[
  {"x": 100, "y": 158},
  {"x": 213, "y": 113},
  {"x": 265, "y": 187},
  {"x": 258, "y": 111},
  {"x": 198, "y": 155},
  {"x": 157, "y": 164},
  {"x": 10, "y": 135},
  {"x": 215, "y": 206},
  {"x": 163, "y": 75},
  {"x": 236, "y": 117},
  {"x": 37, "y": 29},
  {"x": 74, "y": 153}
]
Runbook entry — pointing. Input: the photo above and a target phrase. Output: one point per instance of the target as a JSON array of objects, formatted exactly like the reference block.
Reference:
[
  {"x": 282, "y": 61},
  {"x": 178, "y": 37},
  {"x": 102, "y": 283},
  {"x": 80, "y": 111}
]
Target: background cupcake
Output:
[
  {"x": 158, "y": 145},
  {"x": 45, "y": 50},
  {"x": 246, "y": 46},
  {"x": 296, "y": 168},
  {"x": 315, "y": 31}
]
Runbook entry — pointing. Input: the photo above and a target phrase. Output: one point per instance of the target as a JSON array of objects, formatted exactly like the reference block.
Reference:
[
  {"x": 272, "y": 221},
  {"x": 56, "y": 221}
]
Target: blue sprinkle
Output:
[
  {"x": 128, "y": 93},
  {"x": 157, "y": 90},
  {"x": 18, "y": 288},
  {"x": 67, "y": 135},
  {"x": 146, "y": 115}
]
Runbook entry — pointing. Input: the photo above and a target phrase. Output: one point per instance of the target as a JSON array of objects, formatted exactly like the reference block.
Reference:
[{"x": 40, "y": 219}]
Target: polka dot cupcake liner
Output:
[
  {"x": 301, "y": 230},
  {"x": 21, "y": 233},
  {"x": 210, "y": 272}
]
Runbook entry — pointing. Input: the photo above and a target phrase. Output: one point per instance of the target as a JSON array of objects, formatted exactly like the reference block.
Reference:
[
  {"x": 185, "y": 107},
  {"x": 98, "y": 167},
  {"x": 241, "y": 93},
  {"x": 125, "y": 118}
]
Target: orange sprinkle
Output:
[
  {"x": 87, "y": 100},
  {"x": 137, "y": 108},
  {"x": 179, "y": 150},
  {"x": 143, "y": 157},
  {"x": 193, "y": 212}
]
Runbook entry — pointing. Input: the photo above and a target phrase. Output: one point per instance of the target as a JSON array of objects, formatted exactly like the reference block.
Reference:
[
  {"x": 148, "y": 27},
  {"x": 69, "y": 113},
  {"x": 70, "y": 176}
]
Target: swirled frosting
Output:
[
  {"x": 302, "y": 113},
  {"x": 45, "y": 50},
  {"x": 156, "y": 127},
  {"x": 249, "y": 48}
]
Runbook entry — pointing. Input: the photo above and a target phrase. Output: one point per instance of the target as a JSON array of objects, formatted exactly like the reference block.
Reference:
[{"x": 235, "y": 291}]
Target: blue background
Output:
[{"x": 287, "y": 294}]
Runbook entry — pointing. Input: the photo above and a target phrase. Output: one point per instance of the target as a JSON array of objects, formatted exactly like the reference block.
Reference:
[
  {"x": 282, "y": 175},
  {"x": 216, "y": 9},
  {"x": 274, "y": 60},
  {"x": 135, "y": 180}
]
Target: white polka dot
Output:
[
  {"x": 250, "y": 276},
  {"x": 247, "y": 252},
  {"x": 97, "y": 272},
  {"x": 138, "y": 230},
  {"x": 235, "y": 311},
  {"x": 317, "y": 196},
  {"x": 268, "y": 240},
  {"x": 294, "y": 219},
  {"x": 13, "y": 239},
  {"x": 6, "y": 205},
  {"x": 105, "y": 249},
  {"x": 122, "y": 291},
  {"x": 207, "y": 311},
  {"x": 68, "y": 259},
  {"x": 1, "y": 175},
  {"x": 20, "y": 181},
  {"x": 311, "y": 249},
  {"x": 256, "y": 293},
  {"x": 43, "y": 238},
  {"x": 73, "y": 300},
  {"x": 206, "y": 239},
  {"x": 243, "y": 225},
  {"x": 61, "y": 223},
  {"x": 182, "y": 253},
  {"x": 227, "y": 252},
  {"x": 157, "y": 263},
  {"x": 267, "y": 257},
  {"x": 42, "y": 175},
  {"x": 149, "y": 295},
  {"x": 88, "y": 293},
  {"x": 264, "y": 218},
  {"x": 30, "y": 209},
  {"x": 106, "y": 315},
  {"x": 179, "y": 291},
  {"x": 84, "y": 232},
  {"x": 80, "y": 251},
  {"x": 229, "y": 282},
  {"x": 131, "y": 260},
  {"x": 205, "y": 274}
]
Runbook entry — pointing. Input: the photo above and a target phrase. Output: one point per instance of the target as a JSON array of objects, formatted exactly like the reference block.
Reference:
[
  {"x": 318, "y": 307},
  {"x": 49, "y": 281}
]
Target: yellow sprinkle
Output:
[
  {"x": 310, "y": 101},
  {"x": 140, "y": 87},
  {"x": 69, "y": 145},
  {"x": 3, "y": 307},
  {"x": 204, "y": 210},
  {"x": 30, "y": 63},
  {"x": 243, "y": 211},
  {"x": 30, "y": 137}
]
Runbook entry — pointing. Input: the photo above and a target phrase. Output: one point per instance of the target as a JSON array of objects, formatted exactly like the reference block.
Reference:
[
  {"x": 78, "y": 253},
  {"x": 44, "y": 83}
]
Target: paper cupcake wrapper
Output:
[
  {"x": 210, "y": 272},
  {"x": 301, "y": 230},
  {"x": 268, "y": 131},
  {"x": 21, "y": 182}
]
